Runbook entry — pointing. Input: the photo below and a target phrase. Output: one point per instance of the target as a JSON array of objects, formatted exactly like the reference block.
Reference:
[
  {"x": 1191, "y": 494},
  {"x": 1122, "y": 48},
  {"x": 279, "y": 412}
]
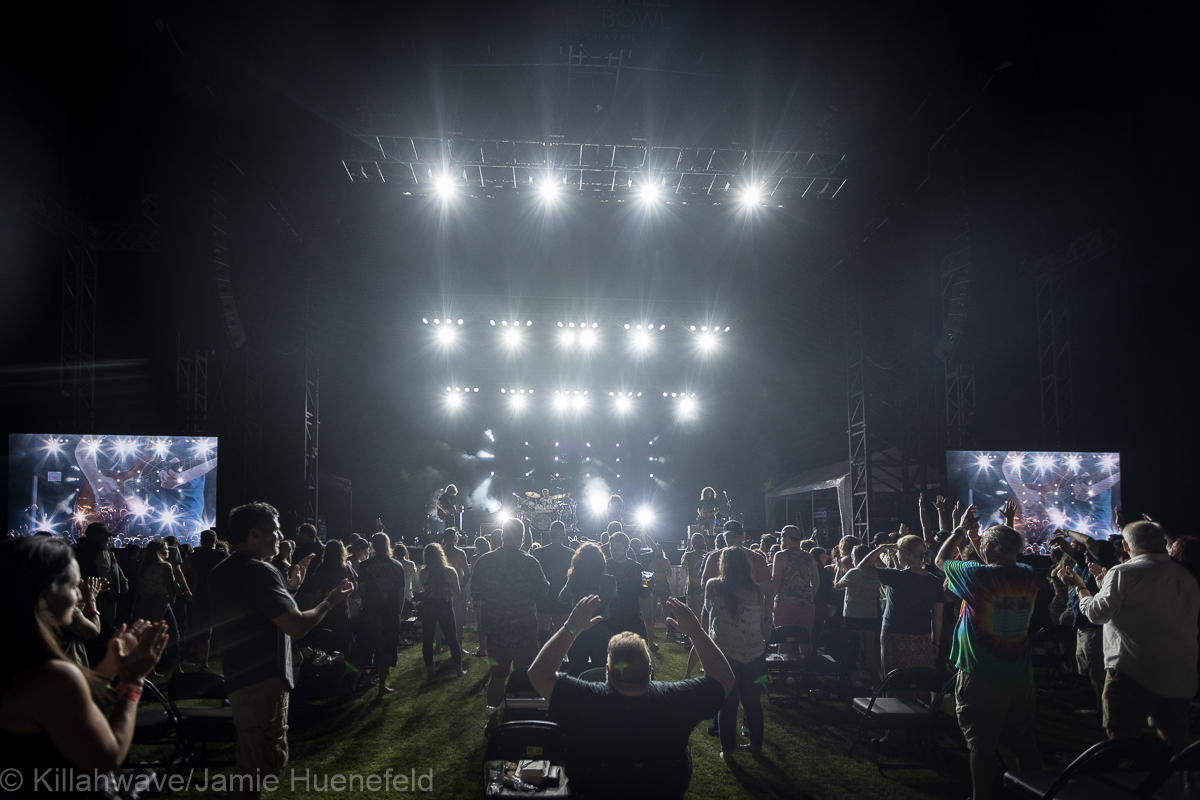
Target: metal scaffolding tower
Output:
[
  {"x": 191, "y": 387},
  {"x": 82, "y": 242},
  {"x": 1050, "y": 274},
  {"x": 312, "y": 409},
  {"x": 958, "y": 376}
]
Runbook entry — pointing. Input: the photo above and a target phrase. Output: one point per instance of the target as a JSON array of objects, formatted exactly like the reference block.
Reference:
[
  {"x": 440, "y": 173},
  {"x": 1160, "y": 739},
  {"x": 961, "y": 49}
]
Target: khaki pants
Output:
[
  {"x": 260, "y": 716},
  {"x": 989, "y": 715}
]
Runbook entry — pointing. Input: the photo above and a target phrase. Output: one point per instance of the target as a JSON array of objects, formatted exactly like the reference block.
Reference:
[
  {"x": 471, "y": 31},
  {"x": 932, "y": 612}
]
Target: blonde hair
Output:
[
  {"x": 629, "y": 660},
  {"x": 913, "y": 547}
]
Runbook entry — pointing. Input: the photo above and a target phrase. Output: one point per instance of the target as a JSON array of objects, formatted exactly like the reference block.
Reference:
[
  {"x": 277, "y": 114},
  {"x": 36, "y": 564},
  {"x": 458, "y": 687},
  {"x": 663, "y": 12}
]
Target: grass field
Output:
[{"x": 438, "y": 726}]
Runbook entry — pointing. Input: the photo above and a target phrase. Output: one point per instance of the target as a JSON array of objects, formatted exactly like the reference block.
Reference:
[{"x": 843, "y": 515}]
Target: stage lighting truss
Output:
[{"x": 450, "y": 166}]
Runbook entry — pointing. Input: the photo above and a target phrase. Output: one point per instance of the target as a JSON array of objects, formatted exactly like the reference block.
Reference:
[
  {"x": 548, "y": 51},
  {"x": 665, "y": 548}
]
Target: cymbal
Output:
[
  {"x": 558, "y": 496},
  {"x": 532, "y": 495}
]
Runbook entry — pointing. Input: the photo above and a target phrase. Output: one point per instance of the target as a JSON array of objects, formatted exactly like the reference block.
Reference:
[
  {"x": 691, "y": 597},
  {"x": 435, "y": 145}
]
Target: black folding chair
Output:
[
  {"x": 1051, "y": 651},
  {"x": 522, "y": 742},
  {"x": 521, "y": 700},
  {"x": 160, "y": 727},
  {"x": 207, "y": 724},
  {"x": 1169, "y": 784},
  {"x": 918, "y": 718},
  {"x": 784, "y": 665},
  {"x": 1117, "y": 769},
  {"x": 838, "y": 661}
]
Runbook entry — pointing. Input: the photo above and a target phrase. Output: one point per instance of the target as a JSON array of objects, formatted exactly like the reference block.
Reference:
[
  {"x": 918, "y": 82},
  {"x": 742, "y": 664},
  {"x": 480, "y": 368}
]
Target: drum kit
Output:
[{"x": 538, "y": 512}]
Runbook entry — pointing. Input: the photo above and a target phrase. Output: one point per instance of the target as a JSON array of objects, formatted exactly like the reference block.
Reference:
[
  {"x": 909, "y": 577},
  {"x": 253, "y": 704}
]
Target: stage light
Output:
[
  {"x": 504, "y": 322},
  {"x": 446, "y": 335},
  {"x": 645, "y": 516},
  {"x": 649, "y": 193},
  {"x": 437, "y": 321},
  {"x": 460, "y": 322},
  {"x": 548, "y": 190},
  {"x": 1108, "y": 461},
  {"x": 751, "y": 197},
  {"x": 623, "y": 404},
  {"x": 626, "y": 326},
  {"x": 662, "y": 327},
  {"x": 454, "y": 401},
  {"x": 1073, "y": 462},
  {"x": 1043, "y": 462},
  {"x": 727, "y": 329},
  {"x": 53, "y": 446},
  {"x": 492, "y": 322},
  {"x": 983, "y": 462},
  {"x": 595, "y": 324},
  {"x": 560, "y": 404},
  {"x": 518, "y": 402},
  {"x": 528, "y": 322},
  {"x": 598, "y": 502},
  {"x": 426, "y": 320},
  {"x": 512, "y": 338},
  {"x": 567, "y": 338},
  {"x": 168, "y": 518},
  {"x": 707, "y": 342},
  {"x": 444, "y": 186},
  {"x": 641, "y": 340},
  {"x": 579, "y": 403},
  {"x": 125, "y": 447},
  {"x": 587, "y": 338},
  {"x": 687, "y": 408},
  {"x": 160, "y": 447}
]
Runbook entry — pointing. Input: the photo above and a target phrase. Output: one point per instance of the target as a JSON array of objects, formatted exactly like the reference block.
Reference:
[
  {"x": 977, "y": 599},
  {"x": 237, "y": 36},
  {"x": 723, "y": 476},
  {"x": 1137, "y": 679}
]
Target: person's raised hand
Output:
[
  {"x": 1010, "y": 512},
  {"x": 1098, "y": 572},
  {"x": 939, "y": 502},
  {"x": 379, "y": 524},
  {"x": 299, "y": 571},
  {"x": 969, "y": 521},
  {"x": 583, "y": 615},
  {"x": 135, "y": 660},
  {"x": 341, "y": 592},
  {"x": 1071, "y": 578},
  {"x": 89, "y": 588},
  {"x": 1147, "y": 517},
  {"x": 954, "y": 511},
  {"x": 683, "y": 618},
  {"x": 903, "y": 530}
]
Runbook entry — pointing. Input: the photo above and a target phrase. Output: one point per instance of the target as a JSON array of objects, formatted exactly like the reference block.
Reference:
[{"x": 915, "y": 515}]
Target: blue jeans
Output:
[
  {"x": 748, "y": 691},
  {"x": 432, "y": 614}
]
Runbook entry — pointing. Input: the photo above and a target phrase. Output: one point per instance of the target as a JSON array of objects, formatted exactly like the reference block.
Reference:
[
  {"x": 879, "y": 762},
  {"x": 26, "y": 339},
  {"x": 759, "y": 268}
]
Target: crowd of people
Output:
[{"x": 91, "y": 623}]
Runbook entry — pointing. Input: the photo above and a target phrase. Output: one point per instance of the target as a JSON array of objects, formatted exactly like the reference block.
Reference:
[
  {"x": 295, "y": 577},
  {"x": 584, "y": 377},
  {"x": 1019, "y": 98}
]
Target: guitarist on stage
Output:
[
  {"x": 706, "y": 512},
  {"x": 447, "y": 511}
]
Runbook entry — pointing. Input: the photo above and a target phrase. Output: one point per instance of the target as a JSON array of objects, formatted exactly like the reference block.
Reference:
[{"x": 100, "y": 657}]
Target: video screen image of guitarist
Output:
[{"x": 148, "y": 486}]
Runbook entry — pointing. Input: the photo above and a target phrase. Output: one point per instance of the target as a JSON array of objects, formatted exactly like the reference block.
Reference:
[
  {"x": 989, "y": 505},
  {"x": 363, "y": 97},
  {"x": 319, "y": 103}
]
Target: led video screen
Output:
[
  {"x": 1072, "y": 491},
  {"x": 138, "y": 486}
]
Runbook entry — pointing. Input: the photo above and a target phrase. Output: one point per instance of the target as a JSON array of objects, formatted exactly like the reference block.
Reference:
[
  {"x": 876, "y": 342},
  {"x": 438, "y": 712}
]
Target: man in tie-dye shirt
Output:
[{"x": 994, "y": 694}]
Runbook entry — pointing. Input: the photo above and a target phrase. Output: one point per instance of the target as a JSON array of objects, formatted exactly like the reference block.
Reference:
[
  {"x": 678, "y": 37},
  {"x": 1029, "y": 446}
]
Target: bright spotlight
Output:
[
  {"x": 707, "y": 342},
  {"x": 645, "y": 516},
  {"x": 511, "y": 337},
  {"x": 454, "y": 401},
  {"x": 641, "y": 340},
  {"x": 161, "y": 448},
  {"x": 53, "y": 446},
  {"x": 561, "y": 403},
  {"x": 446, "y": 334},
  {"x": 578, "y": 403},
  {"x": 548, "y": 190},
  {"x": 587, "y": 337},
  {"x": 168, "y": 518},
  {"x": 649, "y": 193},
  {"x": 623, "y": 404},
  {"x": 567, "y": 338},
  {"x": 444, "y": 186},
  {"x": 687, "y": 408},
  {"x": 752, "y": 197},
  {"x": 598, "y": 502},
  {"x": 518, "y": 402}
]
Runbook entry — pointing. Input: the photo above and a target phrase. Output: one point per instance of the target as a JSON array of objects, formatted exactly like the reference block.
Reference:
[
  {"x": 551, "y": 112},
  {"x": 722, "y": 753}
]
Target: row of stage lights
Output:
[
  {"x": 446, "y": 187},
  {"x": 125, "y": 446},
  {"x": 564, "y": 400},
  {"x": 585, "y": 334}
]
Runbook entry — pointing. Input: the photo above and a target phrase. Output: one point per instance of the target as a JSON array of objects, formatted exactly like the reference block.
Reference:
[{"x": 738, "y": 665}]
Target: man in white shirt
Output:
[{"x": 1149, "y": 608}]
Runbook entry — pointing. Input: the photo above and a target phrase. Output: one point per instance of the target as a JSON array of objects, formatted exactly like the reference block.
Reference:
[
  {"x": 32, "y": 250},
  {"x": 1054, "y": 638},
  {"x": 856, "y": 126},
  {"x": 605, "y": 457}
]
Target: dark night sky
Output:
[{"x": 1088, "y": 127}]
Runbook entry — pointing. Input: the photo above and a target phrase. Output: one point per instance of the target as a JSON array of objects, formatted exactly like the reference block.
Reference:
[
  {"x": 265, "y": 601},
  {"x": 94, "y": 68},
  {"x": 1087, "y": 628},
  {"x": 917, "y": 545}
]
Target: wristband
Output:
[
  {"x": 127, "y": 691},
  {"x": 572, "y": 630},
  {"x": 325, "y": 602},
  {"x": 91, "y": 611}
]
